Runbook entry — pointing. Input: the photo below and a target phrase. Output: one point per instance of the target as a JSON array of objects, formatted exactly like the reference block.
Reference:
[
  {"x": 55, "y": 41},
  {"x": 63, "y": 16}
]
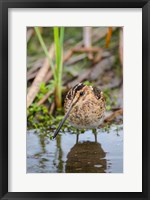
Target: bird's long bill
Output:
[{"x": 62, "y": 122}]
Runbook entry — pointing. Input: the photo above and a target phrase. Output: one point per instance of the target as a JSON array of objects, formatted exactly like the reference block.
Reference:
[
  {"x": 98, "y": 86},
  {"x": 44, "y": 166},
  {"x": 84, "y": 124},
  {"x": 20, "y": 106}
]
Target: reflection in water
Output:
[
  {"x": 43, "y": 151},
  {"x": 59, "y": 151},
  {"x": 99, "y": 152},
  {"x": 86, "y": 157}
]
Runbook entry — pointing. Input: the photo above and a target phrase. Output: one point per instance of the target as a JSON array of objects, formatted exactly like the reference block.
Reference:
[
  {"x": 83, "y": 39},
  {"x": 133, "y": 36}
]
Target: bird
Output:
[{"x": 84, "y": 107}]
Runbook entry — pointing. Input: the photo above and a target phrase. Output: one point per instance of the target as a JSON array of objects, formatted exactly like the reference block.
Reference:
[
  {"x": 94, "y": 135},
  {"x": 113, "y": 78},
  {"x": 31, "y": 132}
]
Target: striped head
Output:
[{"x": 80, "y": 94}]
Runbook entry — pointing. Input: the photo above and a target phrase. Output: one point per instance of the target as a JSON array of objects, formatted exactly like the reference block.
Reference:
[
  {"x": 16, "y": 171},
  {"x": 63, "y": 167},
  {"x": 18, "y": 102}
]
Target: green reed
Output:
[
  {"x": 58, "y": 39},
  {"x": 56, "y": 67}
]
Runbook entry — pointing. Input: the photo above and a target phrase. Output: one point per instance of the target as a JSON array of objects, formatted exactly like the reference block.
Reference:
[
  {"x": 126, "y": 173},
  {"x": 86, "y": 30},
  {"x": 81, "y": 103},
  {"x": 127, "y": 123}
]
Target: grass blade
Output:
[{"x": 44, "y": 49}]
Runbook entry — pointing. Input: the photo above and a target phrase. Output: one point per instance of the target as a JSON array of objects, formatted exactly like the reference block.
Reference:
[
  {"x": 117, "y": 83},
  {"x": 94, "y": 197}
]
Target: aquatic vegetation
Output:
[{"x": 57, "y": 67}]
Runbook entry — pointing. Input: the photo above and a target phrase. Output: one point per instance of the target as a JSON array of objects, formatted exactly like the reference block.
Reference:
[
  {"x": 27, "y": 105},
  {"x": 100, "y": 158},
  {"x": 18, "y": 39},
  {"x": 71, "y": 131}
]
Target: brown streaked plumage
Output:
[{"x": 84, "y": 107}]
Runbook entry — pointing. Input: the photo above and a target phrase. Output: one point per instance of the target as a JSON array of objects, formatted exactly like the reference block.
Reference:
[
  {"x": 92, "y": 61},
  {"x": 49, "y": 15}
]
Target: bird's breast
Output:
[{"x": 86, "y": 114}]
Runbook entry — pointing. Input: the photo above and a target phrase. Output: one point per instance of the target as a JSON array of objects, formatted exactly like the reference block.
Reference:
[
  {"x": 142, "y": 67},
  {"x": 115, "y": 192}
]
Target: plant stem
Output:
[
  {"x": 57, "y": 71},
  {"x": 59, "y": 64},
  {"x": 57, "y": 48},
  {"x": 44, "y": 49}
]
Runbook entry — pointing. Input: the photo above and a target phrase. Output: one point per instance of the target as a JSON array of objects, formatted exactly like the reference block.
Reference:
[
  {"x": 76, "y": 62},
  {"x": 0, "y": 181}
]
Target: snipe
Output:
[{"x": 84, "y": 107}]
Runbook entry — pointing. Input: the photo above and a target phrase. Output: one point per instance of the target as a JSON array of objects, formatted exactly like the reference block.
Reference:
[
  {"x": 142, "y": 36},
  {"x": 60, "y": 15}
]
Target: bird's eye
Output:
[{"x": 81, "y": 93}]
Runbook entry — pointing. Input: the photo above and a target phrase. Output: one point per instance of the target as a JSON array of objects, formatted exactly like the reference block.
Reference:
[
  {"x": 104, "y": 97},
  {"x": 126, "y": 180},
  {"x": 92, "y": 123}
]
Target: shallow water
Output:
[{"x": 71, "y": 153}]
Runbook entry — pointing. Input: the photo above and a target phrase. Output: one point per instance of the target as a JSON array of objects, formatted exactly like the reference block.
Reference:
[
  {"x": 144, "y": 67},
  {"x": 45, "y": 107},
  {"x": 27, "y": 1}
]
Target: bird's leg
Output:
[
  {"x": 95, "y": 133},
  {"x": 77, "y": 138}
]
